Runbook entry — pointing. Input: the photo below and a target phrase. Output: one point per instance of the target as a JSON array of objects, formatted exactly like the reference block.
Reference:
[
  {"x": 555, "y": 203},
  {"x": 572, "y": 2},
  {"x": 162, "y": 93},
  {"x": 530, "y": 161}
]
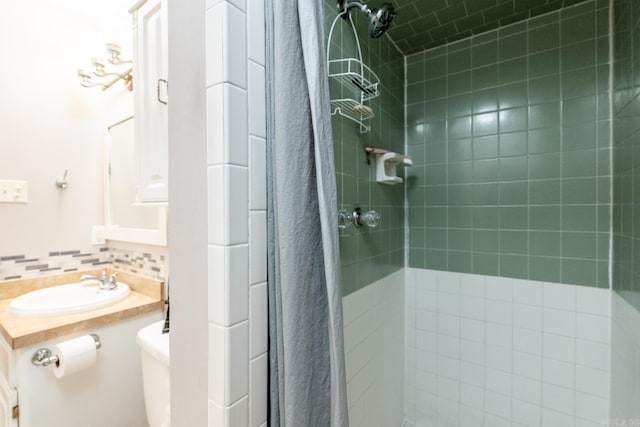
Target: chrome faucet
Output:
[{"x": 105, "y": 283}]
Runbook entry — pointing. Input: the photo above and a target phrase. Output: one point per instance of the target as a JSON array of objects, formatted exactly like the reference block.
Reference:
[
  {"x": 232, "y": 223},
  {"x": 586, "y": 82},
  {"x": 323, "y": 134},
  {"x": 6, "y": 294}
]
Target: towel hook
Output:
[{"x": 62, "y": 183}]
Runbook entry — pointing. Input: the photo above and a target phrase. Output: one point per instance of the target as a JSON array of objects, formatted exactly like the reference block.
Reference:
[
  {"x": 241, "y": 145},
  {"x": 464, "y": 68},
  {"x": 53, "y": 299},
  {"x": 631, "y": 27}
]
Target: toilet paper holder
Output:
[{"x": 45, "y": 357}]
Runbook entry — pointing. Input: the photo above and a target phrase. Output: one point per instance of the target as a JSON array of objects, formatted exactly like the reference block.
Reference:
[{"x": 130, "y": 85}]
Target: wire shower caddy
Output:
[{"x": 355, "y": 76}]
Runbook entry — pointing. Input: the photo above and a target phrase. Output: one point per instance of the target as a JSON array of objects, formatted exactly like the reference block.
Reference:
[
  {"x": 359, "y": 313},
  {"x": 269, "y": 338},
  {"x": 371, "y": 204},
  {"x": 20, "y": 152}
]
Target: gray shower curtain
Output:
[{"x": 306, "y": 349}]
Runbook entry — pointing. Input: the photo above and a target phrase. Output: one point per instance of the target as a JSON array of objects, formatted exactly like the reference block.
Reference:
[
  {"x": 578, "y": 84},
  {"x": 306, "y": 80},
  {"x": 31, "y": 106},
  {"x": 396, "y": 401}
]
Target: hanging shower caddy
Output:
[{"x": 358, "y": 82}]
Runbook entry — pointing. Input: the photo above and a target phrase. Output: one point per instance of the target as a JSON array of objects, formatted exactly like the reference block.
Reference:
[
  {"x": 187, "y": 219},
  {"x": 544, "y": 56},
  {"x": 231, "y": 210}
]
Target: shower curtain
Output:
[{"x": 306, "y": 350}]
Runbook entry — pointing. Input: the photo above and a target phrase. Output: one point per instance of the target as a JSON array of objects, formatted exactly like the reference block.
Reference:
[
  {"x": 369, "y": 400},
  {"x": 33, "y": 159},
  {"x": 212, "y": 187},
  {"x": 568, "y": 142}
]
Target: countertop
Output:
[{"x": 145, "y": 297}]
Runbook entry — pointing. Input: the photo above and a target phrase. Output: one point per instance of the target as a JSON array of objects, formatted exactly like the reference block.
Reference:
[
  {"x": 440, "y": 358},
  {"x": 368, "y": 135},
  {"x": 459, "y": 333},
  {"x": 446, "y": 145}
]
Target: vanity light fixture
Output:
[{"x": 108, "y": 77}]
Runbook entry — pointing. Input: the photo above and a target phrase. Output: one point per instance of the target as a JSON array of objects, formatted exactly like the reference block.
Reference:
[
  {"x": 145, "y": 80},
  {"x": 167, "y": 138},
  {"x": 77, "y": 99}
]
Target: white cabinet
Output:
[
  {"x": 108, "y": 394},
  {"x": 8, "y": 401},
  {"x": 150, "y": 88},
  {"x": 8, "y": 393}
]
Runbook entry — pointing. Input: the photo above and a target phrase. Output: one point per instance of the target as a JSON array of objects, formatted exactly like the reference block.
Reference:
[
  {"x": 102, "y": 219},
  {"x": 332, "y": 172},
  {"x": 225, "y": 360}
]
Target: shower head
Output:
[{"x": 379, "y": 18}]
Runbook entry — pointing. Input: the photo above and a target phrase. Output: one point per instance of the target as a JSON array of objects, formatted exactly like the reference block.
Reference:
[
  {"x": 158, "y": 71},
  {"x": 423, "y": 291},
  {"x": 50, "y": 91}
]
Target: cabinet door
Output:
[
  {"x": 8, "y": 400},
  {"x": 150, "y": 95}
]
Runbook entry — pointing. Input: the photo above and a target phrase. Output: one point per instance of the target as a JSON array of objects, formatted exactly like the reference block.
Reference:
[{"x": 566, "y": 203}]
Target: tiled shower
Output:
[
  {"x": 519, "y": 219},
  {"x": 509, "y": 131}
]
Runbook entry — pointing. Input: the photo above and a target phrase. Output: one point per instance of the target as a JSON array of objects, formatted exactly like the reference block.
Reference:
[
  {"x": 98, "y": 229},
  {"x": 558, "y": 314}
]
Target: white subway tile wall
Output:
[
  {"x": 374, "y": 351},
  {"x": 228, "y": 129},
  {"x": 236, "y": 120},
  {"x": 625, "y": 364},
  {"x": 493, "y": 351},
  {"x": 228, "y": 303}
]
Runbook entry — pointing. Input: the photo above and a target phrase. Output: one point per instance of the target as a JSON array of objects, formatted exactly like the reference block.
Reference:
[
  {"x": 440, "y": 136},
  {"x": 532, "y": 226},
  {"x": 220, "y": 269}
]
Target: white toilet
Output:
[{"x": 154, "y": 346}]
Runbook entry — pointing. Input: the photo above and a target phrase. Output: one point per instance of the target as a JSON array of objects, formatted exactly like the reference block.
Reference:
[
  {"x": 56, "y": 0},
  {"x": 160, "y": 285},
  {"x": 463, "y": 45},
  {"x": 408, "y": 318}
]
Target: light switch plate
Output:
[
  {"x": 13, "y": 191},
  {"x": 97, "y": 235}
]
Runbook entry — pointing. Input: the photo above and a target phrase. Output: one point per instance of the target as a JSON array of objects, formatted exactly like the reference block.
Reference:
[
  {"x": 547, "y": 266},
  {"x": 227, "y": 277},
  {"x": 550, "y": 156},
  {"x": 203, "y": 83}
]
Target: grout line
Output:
[
  {"x": 396, "y": 46},
  {"x": 611, "y": 143},
  {"x": 611, "y": 201},
  {"x": 561, "y": 153},
  {"x": 597, "y": 150},
  {"x": 528, "y": 213},
  {"x": 406, "y": 224},
  {"x": 253, "y": 61}
]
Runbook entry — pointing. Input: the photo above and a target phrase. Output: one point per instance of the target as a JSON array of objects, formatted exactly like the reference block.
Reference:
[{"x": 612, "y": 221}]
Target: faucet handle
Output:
[{"x": 112, "y": 278}]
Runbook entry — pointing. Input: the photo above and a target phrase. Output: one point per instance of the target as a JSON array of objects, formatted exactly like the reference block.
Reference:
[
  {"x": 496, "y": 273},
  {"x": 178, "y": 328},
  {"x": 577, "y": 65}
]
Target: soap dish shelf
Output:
[
  {"x": 353, "y": 73},
  {"x": 348, "y": 108},
  {"x": 386, "y": 165}
]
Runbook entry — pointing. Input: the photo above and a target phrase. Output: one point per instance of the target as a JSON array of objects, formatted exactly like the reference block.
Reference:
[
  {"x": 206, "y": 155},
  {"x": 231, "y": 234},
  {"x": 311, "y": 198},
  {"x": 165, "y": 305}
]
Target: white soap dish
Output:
[{"x": 386, "y": 167}]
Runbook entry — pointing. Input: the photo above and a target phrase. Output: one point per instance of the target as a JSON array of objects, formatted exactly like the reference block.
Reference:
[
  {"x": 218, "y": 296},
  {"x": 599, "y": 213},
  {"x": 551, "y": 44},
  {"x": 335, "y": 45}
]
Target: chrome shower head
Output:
[{"x": 379, "y": 18}]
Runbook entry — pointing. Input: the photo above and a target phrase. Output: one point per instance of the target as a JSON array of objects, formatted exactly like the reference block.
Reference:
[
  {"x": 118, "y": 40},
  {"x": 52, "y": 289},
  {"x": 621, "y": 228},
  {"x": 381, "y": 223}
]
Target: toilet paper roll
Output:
[{"x": 74, "y": 355}]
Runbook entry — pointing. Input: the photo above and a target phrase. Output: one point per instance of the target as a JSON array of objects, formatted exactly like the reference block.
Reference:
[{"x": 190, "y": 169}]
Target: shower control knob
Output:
[
  {"x": 370, "y": 218},
  {"x": 345, "y": 219}
]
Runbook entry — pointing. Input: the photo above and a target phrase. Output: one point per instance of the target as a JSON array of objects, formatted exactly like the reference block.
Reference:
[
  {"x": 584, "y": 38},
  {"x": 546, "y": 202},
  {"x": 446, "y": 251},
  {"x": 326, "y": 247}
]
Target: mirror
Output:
[
  {"x": 137, "y": 178},
  {"x": 126, "y": 218}
]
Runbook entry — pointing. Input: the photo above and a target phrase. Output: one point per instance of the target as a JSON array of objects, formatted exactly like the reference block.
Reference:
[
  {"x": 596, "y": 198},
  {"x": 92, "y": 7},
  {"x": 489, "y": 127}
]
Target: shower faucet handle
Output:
[
  {"x": 345, "y": 219},
  {"x": 371, "y": 219}
]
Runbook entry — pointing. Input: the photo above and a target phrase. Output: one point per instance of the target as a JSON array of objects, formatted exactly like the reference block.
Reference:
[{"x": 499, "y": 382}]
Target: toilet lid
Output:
[{"x": 153, "y": 341}]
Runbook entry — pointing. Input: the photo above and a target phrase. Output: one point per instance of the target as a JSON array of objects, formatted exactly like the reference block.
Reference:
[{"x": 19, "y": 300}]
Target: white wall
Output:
[
  {"x": 190, "y": 351},
  {"x": 49, "y": 123},
  {"x": 497, "y": 352},
  {"x": 625, "y": 362},
  {"x": 374, "y": 352},
  {"x": 217, "y": 226}
]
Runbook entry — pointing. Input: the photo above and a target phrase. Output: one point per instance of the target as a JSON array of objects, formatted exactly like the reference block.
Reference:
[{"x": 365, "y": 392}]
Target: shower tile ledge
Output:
[{"x": 145, "y": 297}]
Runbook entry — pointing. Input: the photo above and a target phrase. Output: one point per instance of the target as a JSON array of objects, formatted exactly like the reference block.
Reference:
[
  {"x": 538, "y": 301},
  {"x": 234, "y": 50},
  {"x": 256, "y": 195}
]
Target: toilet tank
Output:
[{"x": 154, "y": 349}]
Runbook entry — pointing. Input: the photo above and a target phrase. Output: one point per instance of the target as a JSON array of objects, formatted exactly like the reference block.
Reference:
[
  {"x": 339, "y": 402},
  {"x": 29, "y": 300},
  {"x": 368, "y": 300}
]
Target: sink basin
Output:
[{"x": 66, "y": 299}]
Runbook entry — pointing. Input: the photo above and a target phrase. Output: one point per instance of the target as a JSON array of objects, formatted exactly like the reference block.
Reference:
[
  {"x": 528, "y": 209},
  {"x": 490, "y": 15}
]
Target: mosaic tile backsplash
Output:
[
  {"x": 509, "y": 131},
  {"x": 21, "y": 266},
  {"x": 144, "y": 263}
]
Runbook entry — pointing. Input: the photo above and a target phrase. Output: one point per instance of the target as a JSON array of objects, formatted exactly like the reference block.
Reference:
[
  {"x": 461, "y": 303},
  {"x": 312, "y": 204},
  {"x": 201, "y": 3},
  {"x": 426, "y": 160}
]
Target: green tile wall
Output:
[
  {"x": 509, "y": 131},
  {"x": 626, "y": 151},
  {"x": 368, "y": 255},
  {"x": 424, "y": 24}
]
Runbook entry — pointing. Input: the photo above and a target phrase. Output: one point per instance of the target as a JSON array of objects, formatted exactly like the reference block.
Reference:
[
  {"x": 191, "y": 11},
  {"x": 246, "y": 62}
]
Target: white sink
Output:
[{"x": 66, "y": 299}]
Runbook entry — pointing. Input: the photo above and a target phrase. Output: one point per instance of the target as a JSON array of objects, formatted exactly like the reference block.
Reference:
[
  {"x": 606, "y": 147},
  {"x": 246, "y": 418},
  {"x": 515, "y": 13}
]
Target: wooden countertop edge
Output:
[
  {"x": 145, "y": 297},
  {"x": 69, "y": 324}
]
